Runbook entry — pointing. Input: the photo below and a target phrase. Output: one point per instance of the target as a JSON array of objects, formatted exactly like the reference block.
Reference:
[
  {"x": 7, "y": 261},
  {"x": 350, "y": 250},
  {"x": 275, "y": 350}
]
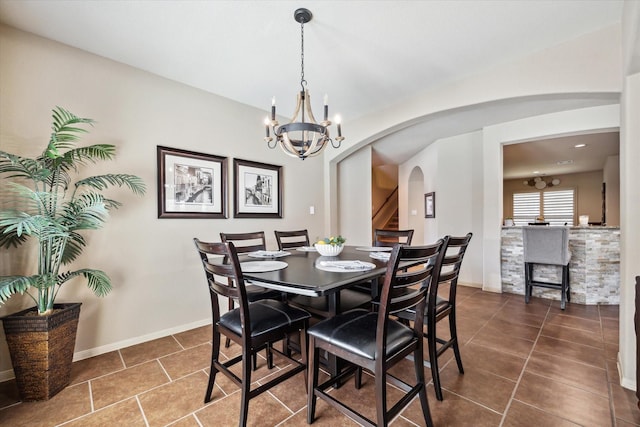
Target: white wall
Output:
[
  {"x": 629, "y": 226},
  {"x": 158, "y": 283},
  {"x": 354, "y": 192},
  {"x": 427, "y": 162},
  {"x": 450, "y": 170},
  {"x": 411, "y": 215}
]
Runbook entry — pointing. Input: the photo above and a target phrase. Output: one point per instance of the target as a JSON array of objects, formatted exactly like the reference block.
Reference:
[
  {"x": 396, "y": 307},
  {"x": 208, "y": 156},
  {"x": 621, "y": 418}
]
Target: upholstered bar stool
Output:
[{"x": 546, "y": 246}]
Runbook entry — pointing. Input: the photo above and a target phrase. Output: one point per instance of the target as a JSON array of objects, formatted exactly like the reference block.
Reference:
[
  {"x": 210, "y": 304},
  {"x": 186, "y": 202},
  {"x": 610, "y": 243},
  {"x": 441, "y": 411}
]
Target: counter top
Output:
[{"x": 573, "y": 227}]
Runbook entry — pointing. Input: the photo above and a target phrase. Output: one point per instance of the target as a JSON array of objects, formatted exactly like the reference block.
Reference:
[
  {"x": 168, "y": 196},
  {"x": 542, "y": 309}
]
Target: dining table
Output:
[{"x": 303, "y": 271}]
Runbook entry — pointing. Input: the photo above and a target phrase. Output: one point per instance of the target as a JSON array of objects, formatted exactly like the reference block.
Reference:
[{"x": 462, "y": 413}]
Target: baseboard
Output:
[
  {"x": 470, "y": 285},
  {"x": 96, "y": 351},
  {"x": 625, "y": 382}
]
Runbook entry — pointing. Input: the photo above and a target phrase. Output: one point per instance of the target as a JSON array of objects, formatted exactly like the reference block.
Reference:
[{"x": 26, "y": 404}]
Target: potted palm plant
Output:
[{"x": 44, "y": 203}]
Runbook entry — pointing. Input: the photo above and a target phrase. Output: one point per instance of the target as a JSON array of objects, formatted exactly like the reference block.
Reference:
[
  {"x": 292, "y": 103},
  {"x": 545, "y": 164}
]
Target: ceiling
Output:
[
  {"x": 559, "y": 156},
  {"x": 366, "y": 55}
]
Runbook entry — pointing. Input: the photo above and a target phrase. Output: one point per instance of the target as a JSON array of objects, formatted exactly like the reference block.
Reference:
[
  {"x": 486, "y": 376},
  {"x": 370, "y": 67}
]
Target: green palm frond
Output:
[
  {"x": 64, "y": 132},
  {"x": 60, "y": 179},
  {"x": 22, "y": 167},
  {"x": 97, "y": 280},
  {"x": 86, "y": 212},
  {"x": 10, "y": 285},
  {"x": 75, "y": 244},
  {"x": 75, "y": 157},
  {"x": 22, "y": 223},
  {"x": 101, "y": 182}
]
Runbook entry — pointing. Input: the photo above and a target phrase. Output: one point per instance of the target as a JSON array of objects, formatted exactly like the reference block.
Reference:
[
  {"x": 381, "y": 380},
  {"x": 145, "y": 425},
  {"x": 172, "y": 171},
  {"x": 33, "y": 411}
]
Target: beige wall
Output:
[
  {"x": 588, "y": 193},
  {"x": 158, "y": 284}
]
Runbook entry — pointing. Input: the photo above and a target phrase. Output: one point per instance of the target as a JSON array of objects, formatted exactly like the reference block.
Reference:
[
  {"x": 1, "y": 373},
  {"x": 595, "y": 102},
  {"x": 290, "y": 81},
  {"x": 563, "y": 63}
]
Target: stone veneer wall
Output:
[{"x": 594, "y": 270}]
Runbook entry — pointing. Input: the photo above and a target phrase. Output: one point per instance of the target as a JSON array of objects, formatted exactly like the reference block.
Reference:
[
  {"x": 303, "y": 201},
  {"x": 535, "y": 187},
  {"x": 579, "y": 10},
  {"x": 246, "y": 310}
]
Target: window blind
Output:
[
  {"x": 557, "y": 207},
  {"x": 526, "y": 207}
]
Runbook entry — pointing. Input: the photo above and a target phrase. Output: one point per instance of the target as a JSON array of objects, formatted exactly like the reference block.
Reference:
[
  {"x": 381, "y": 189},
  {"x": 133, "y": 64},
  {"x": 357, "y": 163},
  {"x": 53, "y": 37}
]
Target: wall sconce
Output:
[{"x": 540, "y": 183}]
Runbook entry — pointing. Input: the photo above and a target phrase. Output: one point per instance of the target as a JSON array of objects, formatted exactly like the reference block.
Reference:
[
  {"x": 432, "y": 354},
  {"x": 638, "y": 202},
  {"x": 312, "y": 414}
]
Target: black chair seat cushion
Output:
[
  {"x": 255, "y": 293},
  {"x": 265, "y": 316},
  {"x": 355, "y": 331},
  {"x": 348, "y": 300}
]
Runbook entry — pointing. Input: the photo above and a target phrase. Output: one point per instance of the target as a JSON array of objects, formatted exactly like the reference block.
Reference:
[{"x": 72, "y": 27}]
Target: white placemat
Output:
[
  {"x": 268, "y": 254},
  {"x": 262, "y": 266},
  {"x": 344, "y": 266},
  {"x": 382, "y": 256},
  {"x": 306, "y": 249},
  {"x": 374, "y": 249}
]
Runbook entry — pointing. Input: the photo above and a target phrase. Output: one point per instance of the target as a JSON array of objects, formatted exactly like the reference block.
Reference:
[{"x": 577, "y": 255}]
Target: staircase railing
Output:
[{"x": 391, "y": 200}]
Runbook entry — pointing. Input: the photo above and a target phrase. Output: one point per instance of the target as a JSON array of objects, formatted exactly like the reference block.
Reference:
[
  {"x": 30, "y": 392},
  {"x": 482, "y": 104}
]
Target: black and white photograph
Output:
[
  {"x": 258, "y": 190},
  {"x": 190, "y": 184},
  {"x": 430, "y": 205}
]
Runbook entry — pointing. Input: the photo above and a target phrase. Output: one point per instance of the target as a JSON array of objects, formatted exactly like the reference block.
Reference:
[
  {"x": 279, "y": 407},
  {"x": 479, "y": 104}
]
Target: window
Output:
[
  {"x": 557, "y": 207},
  {"x": 526, "y": 207}
]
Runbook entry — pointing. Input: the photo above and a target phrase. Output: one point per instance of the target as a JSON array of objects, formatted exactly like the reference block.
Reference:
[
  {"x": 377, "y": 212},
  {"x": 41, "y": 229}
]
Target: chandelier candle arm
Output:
[
  {"x": 326, "y": 107},
  {"x": 303, "y": 136},
  {"x": 273, "y": 108}
]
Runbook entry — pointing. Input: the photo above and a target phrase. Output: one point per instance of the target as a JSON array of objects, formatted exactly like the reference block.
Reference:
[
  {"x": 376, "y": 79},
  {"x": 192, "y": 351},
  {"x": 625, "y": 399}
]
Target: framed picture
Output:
[
  {"x": 430, "y": 205},
  {"x": 258, "y": 190},
  {"x": 191, "y": 185}
]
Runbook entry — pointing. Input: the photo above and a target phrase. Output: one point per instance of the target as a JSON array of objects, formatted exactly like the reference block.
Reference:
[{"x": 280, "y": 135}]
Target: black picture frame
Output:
[
  {"x": 191, "y": 184},
  {"x": 258, "y": 189},
  {"x": 430, "y": 205}
]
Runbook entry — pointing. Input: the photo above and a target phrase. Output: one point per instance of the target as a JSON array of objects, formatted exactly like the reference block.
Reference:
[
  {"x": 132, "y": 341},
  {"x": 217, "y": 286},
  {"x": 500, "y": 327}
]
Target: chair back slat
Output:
[
  {"x": 220, "y": 260},
  {"x": 405, "y": 287},
  {"x": 449, "y": 271},
  {"x": 292, "y": 239},
  {"x": 246, "y": 242},
  {"x": 388, "y": 238},
  {"x": 227, "y": 288}
]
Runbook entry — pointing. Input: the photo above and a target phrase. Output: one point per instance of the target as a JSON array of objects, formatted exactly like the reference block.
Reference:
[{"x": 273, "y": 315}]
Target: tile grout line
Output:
[
  {"x": 612, "y": 408},
  {"x": 524, "y": 367},
  {"x": 144, "y": 416},
  {"x": 93, "y": 407}
]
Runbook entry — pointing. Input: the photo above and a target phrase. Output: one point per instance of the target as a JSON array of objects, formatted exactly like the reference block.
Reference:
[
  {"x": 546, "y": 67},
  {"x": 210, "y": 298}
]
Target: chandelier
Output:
[
  {"x": 540, "y": 183},
  {"x": 303, "y": 136}
]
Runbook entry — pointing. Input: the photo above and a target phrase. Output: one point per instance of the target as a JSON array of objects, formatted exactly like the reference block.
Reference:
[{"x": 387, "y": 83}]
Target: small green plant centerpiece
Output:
[
  {"x": 330, "y": 246},
  {"x": 46, "y": 204}
]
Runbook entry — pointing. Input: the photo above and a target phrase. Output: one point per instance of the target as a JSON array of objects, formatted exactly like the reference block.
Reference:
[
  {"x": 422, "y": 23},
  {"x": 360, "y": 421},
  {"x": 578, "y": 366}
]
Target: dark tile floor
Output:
[{"x": 525, "y": 365}]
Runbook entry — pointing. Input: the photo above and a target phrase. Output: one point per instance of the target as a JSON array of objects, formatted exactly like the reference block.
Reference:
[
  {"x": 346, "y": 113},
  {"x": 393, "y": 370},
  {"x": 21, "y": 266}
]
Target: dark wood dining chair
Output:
[
  {"x": 440, "y": 308},
  {"x": 376, "y": 341},
  {"x": 385, "y": 238},
  {"x": 246, "y": 243},
  {"x": 291, "y": 239},
  {"x": 252, "y": 325}
]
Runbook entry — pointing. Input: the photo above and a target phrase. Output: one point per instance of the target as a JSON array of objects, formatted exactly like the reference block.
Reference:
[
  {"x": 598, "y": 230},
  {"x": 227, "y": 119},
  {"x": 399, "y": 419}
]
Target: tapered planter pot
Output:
[{"x": 41, "y": 349}]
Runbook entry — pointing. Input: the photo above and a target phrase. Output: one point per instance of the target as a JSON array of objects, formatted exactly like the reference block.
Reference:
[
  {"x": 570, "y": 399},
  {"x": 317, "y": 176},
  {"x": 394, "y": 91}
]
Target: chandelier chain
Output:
[{"x": 303, "y": 82}]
